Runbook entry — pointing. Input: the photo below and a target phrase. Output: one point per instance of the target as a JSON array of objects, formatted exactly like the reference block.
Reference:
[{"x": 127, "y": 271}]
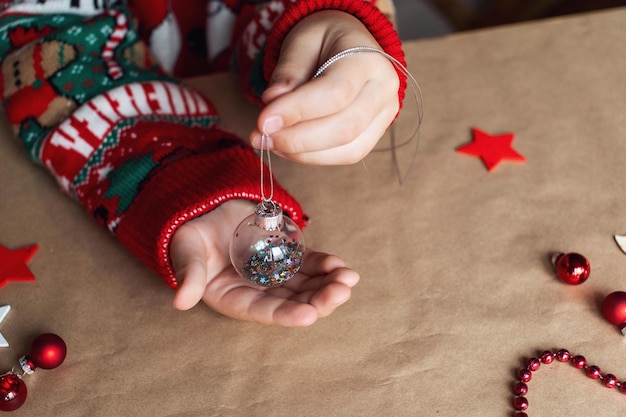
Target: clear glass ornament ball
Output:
[{"x": 267, "y": 247}]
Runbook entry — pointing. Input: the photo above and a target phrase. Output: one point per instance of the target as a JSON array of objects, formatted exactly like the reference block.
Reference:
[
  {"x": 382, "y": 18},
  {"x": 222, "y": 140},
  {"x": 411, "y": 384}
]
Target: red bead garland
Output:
[{"x": 520, "y": 388}]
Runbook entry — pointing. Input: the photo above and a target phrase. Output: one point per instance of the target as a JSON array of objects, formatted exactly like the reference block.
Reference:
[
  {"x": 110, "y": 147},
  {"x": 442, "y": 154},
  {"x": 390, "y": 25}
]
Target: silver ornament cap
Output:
[{"x": 268, "y": 216}]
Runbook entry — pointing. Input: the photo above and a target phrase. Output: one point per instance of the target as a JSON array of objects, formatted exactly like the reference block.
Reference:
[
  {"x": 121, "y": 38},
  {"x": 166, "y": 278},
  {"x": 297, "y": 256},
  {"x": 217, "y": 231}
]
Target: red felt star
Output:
[
  {"x": 13, "y": 264},
  {"x": 491, "y": 148}
]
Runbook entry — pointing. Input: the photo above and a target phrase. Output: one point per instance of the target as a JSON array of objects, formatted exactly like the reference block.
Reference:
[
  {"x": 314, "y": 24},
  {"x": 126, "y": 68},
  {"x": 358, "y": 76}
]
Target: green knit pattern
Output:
[
  {"x": 85, "y": 76},
  {"x": 112, "y": 140}
]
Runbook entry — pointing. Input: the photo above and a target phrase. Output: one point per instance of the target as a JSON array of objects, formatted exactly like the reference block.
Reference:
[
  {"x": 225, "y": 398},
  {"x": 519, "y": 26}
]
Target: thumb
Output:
[{"x": 296, "y": 64}]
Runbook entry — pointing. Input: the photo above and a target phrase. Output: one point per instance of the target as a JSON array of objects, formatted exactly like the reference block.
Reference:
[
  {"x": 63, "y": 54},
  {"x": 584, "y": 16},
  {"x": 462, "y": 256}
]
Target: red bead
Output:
[
  {"x": 12, "y": 392},
  {"x": 533, "y": 364},
  {"x": 610, "y": 381},
  {"x": 547, "y": 357},
  {"x": 572, "y": 268},
  {"x": 520, "y": 403},
  {"x": 614, "y": 308},
  {"x": 622, "y": 387},
  {"x": 562, "y": 355},
  {"x": 520, "y": 388},
  {"x": 47, "y": 351},
  {"x": 579, "y": 361},
  {"x": 521, "y": 414},
  {"x": 593, "y": 372},
  {"x": 524, "y": 374}
]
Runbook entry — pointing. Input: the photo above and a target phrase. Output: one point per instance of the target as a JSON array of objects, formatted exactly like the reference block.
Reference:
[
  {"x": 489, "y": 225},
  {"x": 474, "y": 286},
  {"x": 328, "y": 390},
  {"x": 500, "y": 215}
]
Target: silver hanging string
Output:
[
  {"x": 417, "y": 95},
  {"x": 265, "y": 150}
]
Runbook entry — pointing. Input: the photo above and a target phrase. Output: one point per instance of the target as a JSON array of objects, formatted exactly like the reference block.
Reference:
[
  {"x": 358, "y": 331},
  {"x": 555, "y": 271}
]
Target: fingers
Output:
[
  {"x": 251, "y": 303},
  {"x": 323, "y": 284},
  {"x": 204, "y": 272},
  {"x": 290, "y": 72},
  {"x": 342, "y": 112},
  {"x": 330, "y": 298},
  {"x": 199, "y": 250},
  {"x": 193, "y": 277},
  {"x": 296, "y": 63},
  {"x": 323, "y": 300},
  {"x": 349, "y": 153},
  {"x": 286, "y": 313},
  {"x": 188, "y": 259},
  {"x": 320, "y": 97}
]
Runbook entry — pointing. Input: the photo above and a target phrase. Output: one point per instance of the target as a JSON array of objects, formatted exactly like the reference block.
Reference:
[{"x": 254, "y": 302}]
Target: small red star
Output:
[
  {"x": 491, "y": 148},
  {"x": 13, "y": 264}
]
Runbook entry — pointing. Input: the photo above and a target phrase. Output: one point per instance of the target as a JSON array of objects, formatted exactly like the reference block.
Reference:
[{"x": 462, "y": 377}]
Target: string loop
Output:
[
  {"x": 417, "y": 95},
  {"x": 265, "y": 150}
]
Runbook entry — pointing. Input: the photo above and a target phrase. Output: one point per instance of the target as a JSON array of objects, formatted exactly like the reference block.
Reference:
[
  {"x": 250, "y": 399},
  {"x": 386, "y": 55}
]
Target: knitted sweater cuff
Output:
[
  {"x": 375, "y": 21},
  {"x": 187, "y": 189}
]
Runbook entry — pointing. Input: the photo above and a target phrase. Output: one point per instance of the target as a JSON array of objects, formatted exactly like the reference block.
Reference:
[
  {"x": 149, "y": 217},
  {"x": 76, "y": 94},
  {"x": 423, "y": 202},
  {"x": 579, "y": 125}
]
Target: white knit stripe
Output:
[{"x": 119, "y": 32}]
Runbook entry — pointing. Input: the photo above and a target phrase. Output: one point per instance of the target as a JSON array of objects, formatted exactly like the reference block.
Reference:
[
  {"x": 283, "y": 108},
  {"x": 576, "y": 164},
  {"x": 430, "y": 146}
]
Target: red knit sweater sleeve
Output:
[
  {"x": 142, "y": 153},
  {"x": 273, "y": 23}
]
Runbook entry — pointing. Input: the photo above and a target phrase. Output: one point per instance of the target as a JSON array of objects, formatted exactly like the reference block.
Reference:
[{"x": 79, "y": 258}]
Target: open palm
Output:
[{"x": 199, "y": 252}]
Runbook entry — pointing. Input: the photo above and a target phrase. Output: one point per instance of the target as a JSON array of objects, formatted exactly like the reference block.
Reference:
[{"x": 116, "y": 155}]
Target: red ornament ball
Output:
[
  {"x": 12, "y": 392},
  {"x": 614, "y": 308},
  {"x": 572, "y": 268},
  {"x": 47, "y": 351}
]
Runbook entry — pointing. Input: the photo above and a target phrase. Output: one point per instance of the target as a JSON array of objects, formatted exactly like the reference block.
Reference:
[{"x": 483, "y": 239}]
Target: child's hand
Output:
[
  {"x": 199, "y": 252},
  {"x": 340, "y": 116}
]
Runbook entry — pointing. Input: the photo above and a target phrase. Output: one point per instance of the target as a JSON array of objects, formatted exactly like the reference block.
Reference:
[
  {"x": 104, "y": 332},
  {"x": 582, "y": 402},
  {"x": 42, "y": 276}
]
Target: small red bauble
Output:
[
  {"x": 563, "y": 355},
  {"x": 593, "y": 372},
  {"x": 610, "y": 381},
  {"x": 12, "y": 392},
  {"x": 533, "y": 364},
  {"x": 520, "y": 388},
  {"x": 571, "y": 268},
  {"x": 47, "y": 351},
  {"x": 520, "y": 403},
  {"x": 579, "y": 361},
  {"x": 547, "y": 357},
  {"x": 524, "y": 375},
  {"x": 614, "y": 308}
]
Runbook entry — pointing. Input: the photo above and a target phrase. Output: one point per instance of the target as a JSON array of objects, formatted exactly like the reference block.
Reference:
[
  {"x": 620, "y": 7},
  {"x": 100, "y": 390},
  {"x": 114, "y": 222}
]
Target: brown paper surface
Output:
[{"x": 456, "y": 289}]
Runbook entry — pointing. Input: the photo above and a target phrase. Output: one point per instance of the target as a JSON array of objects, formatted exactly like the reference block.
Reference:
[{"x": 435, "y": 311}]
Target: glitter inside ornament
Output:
[{"x": 267, "y": 247}]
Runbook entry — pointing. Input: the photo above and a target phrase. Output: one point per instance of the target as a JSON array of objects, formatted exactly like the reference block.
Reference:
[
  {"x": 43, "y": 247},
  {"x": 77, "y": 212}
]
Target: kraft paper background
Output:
[{"x": 456, "y": 289}]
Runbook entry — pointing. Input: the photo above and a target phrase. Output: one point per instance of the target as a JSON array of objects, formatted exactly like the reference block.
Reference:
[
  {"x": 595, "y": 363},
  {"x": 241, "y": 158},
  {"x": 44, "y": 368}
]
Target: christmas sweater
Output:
[{"x": 90, "y": 89}]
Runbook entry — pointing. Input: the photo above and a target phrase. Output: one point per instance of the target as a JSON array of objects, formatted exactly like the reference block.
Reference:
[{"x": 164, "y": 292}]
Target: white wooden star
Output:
[
  {"x": 621, "y": 242},
  {"x": 4, "y": 310}
]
